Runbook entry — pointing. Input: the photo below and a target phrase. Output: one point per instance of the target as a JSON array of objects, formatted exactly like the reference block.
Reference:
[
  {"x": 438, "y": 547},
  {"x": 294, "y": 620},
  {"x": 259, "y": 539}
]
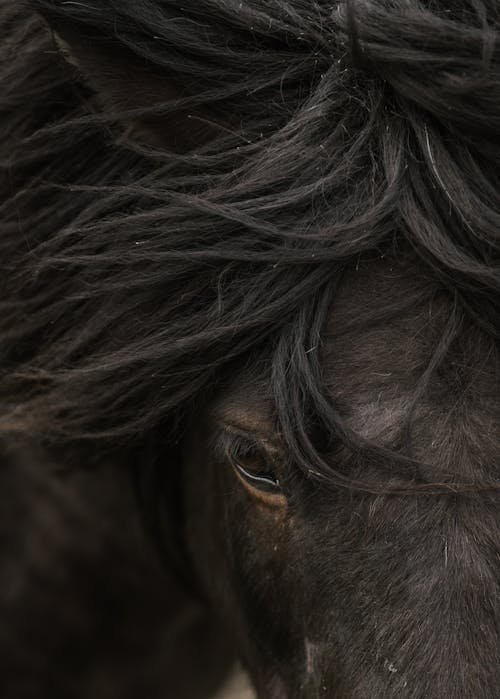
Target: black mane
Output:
[{"x": 134, "y": 277}]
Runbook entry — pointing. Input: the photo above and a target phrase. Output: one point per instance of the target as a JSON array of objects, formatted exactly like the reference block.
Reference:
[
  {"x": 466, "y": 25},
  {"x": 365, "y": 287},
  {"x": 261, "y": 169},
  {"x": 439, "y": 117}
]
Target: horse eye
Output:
[
  {"x": 266, "y": 481},
  {"x": 253, "y": 467}
]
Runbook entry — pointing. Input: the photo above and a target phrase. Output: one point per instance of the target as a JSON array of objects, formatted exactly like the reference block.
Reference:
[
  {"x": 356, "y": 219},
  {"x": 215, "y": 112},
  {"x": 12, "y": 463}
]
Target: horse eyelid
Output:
[
  {"x": 240, "y": 448},
  {"x": 232, "y": 446},
  {"x": 269, "y": 482}
]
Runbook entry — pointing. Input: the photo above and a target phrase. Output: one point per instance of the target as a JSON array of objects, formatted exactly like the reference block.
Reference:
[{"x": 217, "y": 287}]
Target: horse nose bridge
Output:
[
  {"x": 438, "y": 626},
  {"x": 415, "y": 609},
  {"x": 455, "y": 655}
]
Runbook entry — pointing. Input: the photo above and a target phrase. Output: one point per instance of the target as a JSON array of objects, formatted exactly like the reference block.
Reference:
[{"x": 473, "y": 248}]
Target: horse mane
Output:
[{"x": 136, "y": 274}]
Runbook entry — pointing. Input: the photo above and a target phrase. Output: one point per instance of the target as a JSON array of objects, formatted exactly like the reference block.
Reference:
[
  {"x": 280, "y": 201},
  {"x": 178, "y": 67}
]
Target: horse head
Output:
[{"x": 259, "y": 254}]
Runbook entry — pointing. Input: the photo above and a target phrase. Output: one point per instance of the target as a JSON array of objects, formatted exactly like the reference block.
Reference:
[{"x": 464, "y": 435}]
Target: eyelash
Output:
[{"x": 236, "y": 448}]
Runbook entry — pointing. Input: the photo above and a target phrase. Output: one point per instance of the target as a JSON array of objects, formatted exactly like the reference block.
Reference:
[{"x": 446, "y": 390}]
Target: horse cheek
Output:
[{"x": 266, "y": 577}]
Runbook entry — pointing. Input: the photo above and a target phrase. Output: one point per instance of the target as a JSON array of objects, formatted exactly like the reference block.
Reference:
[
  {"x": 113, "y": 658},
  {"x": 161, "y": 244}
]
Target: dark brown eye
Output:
[{"x": 253, "y": 466}]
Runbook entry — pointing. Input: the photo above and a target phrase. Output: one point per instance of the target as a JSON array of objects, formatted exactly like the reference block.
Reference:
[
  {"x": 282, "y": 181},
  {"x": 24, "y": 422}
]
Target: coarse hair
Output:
[{"x": 138, "y": 272}]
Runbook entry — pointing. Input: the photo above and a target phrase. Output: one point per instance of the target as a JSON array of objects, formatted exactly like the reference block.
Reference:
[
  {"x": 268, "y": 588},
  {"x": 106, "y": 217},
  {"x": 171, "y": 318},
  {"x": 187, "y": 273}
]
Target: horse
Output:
[{"x": 249, "y": 327}]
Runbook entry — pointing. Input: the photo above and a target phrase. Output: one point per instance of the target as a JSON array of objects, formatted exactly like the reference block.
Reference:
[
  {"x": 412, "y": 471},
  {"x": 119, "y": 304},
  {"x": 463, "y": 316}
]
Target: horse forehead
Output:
[
  {"x": 377, "y": 343},
  {"x": 383, "y": 325},
  {"x": 382, "y": 331},
  {"x": 381, "y": 337}
]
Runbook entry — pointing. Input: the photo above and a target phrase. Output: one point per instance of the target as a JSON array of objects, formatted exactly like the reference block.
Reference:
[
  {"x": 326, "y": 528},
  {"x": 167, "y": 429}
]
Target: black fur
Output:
[{"x": 192, "y": 192}]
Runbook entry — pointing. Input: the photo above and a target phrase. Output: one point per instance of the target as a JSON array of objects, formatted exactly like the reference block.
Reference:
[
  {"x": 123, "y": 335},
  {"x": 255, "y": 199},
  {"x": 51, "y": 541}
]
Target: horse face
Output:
[
  {"x": 330, "y": 592},
  {"x": 333, "y": 592}
]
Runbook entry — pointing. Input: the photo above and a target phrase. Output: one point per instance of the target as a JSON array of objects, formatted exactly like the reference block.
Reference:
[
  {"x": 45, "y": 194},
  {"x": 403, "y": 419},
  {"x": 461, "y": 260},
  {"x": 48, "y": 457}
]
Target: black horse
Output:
[{"x": 250, "y": 259}]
